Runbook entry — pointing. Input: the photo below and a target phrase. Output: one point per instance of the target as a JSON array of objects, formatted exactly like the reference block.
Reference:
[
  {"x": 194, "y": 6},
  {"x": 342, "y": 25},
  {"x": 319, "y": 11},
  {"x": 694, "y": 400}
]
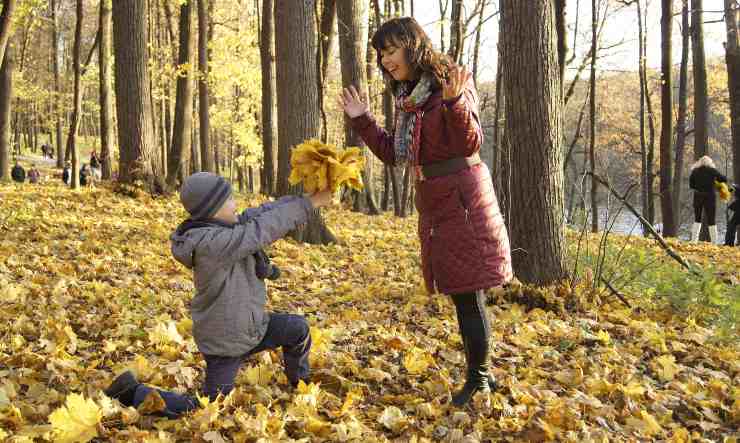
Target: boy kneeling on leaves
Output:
[{"x": 230, "y": 323}]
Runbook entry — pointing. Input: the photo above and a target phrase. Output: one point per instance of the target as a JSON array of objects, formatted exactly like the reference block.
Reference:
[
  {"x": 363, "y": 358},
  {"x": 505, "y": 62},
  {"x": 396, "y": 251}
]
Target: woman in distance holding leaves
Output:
[{"x": 437, "y": 132}]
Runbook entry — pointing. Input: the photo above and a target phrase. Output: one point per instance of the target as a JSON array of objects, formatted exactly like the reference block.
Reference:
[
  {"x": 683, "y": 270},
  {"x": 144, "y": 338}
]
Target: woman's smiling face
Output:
[{"x": 395, "y": 63}]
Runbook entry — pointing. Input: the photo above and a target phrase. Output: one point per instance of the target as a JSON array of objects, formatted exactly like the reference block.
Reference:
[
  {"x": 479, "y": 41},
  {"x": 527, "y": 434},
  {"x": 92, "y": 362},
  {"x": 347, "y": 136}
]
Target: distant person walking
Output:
[
  {"x": 18, "y": 173},
  {"x": 95, "y": 164},
  {"x": 34, "y": 176},
  {"x": 734, "y": 221},
  {"x": 67, "y": 173},
  {"x": 702, "y": 178}
]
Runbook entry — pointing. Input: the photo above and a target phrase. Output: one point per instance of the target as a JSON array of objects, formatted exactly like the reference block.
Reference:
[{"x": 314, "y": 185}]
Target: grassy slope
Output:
[{"x": 88, "y": 287}]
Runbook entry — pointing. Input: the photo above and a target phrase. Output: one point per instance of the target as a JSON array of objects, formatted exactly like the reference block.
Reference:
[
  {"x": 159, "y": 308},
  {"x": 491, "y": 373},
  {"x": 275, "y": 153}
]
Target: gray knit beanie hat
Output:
[{"x": 203, "y": 194}]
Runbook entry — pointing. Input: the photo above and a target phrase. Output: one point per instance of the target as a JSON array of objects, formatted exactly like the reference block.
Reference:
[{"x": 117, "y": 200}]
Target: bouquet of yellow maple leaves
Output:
[
  {"x": 723, "y": 190},
  {"x": 320, "y": 166}
]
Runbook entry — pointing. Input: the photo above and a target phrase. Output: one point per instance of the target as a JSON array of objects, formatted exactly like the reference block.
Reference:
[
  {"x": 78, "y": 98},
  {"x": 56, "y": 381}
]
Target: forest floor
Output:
[{"x": 88, "y": 287}]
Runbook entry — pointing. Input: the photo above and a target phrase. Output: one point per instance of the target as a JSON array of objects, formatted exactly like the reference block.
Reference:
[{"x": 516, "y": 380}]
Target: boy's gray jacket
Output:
[{"x": 228, "y": 310}]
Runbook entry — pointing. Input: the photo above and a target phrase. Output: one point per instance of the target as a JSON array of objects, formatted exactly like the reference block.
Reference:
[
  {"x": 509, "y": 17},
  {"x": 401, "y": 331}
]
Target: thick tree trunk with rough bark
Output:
[
  {"x": 732, "y": 56},
  {"x": 134, "y": 111},
  {"x": 534, "y": 120},
  {"x": 682, "y": 113},
  {"x": 269, "y": 111},
  {"x": 106, "y": 101},
  {"x": 56, "y": 54},
  {"x": 701, "y": 105},
  {"x": 6, "y": 21},
  {"x": 328, "y": 20},
  {"x": 6, "y": 93},
  {"x": 666, "y": 130},
  {"x": 352, "y": 16},
  {"x": 206, "y": 153},
  {"x": 182, "y": 131},
  {"x": 298, "y": 108},
  {"x": 74, "y": 126}
]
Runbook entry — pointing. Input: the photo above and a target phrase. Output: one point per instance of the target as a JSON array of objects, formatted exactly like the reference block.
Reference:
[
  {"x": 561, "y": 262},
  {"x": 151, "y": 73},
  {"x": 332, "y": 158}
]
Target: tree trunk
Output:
[
  {"x": 534, "y": 120},
  {"x": 328, "y": 19},
  {"x": 6, "y": 21},
  {"x": 6, "y": 94},
  {"x": 298, "y": 108},
  {"x": 57, "y": 55},
  {"x": 206, "y": 153},
  {"x": 74, "y": 126},
  {"x": 682, "y": 112},
  {"x": 562, "y": 29},
  {"x": 592, "y": 131},
  {"x": 476, "y": 48},
  {"x": 646, "y": 166},
  {"x": 353, "y": 16},
  {"x": 385, "y": 199},
  {"x": 456, "y": 31},
  {"x": 182, "y": 131},
  {"x": 732, "y": 56},
  {"x": 106, "y": 103},
  {"x": 443, "y": 5},
  {"x": 269, "y": 111},
  {"x": 701, "y": 108},
  {"x": 666, "y": 130},
  {"x": 134, "y": 112}
]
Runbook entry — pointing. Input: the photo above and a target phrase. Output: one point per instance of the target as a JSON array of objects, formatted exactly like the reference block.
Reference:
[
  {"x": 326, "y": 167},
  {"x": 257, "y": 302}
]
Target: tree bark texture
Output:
[
  {"x": 183, "y": 124},
  {"x": 134, "y": 109},
  {"x": 534, "y": 120},
  {"x": 269, "y": 111},
  {"x": 666, "y": 131},
  {"x": 298, "y": 108},
  {"x": 352, "y": 16}
]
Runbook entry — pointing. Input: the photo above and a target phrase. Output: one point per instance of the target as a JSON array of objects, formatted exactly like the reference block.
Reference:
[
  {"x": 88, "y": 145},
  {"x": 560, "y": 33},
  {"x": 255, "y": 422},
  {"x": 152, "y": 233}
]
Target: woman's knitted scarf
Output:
[{"x": 409, "y": 113}]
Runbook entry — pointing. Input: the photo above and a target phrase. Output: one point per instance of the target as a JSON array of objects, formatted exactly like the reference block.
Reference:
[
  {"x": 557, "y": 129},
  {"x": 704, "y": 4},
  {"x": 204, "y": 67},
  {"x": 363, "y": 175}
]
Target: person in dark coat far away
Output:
[
  {"x": 18, "y": 173},
  {"x": 702, "y": 178},
  {"x": 464, "y": 243},
  {"x": 734, "y": 221},
  {"x": 67, "y": 173}
]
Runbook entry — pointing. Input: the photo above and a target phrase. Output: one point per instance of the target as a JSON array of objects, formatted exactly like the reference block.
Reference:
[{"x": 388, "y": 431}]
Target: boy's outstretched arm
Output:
[
  {"x": 229, "y": 245},
  {"x": 268, "y": 206}
]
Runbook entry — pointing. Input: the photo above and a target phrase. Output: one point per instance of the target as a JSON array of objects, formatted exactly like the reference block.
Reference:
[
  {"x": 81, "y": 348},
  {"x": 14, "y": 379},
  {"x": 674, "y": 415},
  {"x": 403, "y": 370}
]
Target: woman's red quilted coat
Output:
[{"x": 464, "y": 243}]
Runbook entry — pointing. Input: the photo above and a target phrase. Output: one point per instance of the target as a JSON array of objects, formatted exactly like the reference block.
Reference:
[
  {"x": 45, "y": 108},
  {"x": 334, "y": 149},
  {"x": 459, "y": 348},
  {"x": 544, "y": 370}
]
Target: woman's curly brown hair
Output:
[{"x": 406, "y": 33}]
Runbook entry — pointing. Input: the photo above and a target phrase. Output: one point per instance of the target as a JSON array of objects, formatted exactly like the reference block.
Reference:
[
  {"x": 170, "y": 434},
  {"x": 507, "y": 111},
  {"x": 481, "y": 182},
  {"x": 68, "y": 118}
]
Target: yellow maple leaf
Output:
[
  {"x": 646, "y": 424},
  {"x": 152, "y": 404},
  {"x": 77, "y": 420},
  {"x": 665, "y": 366},
  {"x": 417, "y": 361},
  {"x": 163, "y": 334},
  {"x": 258, "y": 375},
  {"x": 393, "y": 419}
]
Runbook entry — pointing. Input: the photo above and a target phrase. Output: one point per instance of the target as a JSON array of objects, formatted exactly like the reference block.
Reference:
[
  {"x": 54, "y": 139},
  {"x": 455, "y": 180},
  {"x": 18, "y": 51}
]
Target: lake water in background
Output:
[{"x": 624, "y": 222}]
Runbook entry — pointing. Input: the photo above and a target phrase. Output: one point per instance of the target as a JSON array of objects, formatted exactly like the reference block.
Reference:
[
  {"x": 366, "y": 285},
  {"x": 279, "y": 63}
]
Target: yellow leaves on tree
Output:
[
  {"x": 319, "y": 167},
  {"x": 76, "y": 421}
]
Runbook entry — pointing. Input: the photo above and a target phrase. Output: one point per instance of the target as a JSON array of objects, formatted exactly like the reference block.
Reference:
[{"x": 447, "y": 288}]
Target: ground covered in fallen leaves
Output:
[{"x": 88, "y": 288}]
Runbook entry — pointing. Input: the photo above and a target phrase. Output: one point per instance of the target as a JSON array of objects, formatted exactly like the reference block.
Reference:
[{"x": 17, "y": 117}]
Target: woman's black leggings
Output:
[
  {"x": 705, "y": 201},
  {"x": 474, "y": 327}
]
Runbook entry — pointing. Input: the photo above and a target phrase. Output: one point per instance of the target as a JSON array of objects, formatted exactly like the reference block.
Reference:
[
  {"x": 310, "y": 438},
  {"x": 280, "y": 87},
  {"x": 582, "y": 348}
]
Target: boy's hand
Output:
[{"x": 321, "y": 198}]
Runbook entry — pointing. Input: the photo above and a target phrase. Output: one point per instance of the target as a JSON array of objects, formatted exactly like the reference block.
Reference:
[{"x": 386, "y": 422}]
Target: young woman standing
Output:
[{"x": 437, "y": 132}]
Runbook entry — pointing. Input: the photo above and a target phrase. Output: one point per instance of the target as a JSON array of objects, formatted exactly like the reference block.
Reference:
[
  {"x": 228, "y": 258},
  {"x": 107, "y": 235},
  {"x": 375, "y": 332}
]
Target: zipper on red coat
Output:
[{"x": 431, "y": 267}]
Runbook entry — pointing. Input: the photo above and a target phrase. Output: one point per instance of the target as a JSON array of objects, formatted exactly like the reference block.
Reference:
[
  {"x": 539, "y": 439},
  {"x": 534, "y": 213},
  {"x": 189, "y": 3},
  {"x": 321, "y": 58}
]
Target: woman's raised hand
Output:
[
  {"x": 454, "y": 85},
  {"x": 352, "y": 103}
]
